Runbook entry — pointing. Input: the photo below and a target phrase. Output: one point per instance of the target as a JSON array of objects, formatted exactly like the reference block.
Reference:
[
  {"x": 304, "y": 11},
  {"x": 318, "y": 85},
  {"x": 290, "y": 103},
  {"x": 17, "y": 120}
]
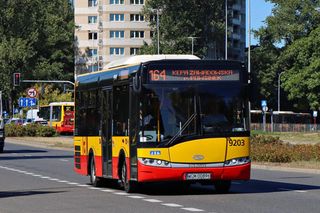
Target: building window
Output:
[
  {"x": 136, "y": 34},
  {"x": 116, "y": 51},
  {"x": 116, "y": 1},
  {"x": 134, "y": 51},
  {"x": 136, "y": 1},
  {"x": 92, "y": 19},
  {"x": 136, "y": 17},
  {"x": 116, "y": 34},
  {"x": 92, "y": 52},
  {"x": 92, "y": 3},
  {"x": 93, "y": 36},
  {"x": 152, "y": 34},
  {"x": 116, "y": 17}
]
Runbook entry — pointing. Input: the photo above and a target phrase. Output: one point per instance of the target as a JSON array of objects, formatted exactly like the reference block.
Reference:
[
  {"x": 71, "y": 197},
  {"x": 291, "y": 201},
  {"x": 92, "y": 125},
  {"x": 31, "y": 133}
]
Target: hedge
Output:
[{"x": 12, "y": 130}]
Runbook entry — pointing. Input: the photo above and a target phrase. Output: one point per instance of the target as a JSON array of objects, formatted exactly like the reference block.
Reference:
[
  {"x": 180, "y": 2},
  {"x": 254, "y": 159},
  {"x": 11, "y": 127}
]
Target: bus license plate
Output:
[{"x": 198, "y": 176}]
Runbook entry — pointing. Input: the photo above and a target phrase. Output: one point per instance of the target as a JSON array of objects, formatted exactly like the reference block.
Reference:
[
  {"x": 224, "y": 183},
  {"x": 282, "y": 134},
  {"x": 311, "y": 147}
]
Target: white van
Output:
[{"x": 32, "y": 114}]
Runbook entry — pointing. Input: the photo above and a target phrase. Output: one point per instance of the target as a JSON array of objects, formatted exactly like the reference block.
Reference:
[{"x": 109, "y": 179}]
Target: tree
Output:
[
  {"x": 36, "y": 39},
  {"x": 181, "y": 19},
  {"x": 285, "y": 46}
]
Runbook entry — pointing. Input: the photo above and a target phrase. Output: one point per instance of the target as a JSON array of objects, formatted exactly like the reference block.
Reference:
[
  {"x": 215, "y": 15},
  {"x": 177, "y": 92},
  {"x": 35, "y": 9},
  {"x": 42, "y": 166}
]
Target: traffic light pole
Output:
[{"x": 46, "y": 81}]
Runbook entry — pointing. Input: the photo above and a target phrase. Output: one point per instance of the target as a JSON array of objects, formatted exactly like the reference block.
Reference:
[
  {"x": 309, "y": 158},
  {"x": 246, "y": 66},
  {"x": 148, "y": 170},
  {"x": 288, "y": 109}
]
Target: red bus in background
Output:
[{"x": 59, "y": 115}]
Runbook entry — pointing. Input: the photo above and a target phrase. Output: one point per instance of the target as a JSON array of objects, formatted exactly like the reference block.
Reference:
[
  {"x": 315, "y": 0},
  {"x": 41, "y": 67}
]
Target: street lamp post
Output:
[
  {"x": 279, "y": 78},
  {"x": 226, "y": 31},
  {"x": 192, "y": 43},
  {"x": 158, "y": 31}
]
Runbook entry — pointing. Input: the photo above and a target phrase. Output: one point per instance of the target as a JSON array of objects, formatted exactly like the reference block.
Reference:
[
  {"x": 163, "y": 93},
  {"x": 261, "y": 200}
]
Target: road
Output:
[{"x": 42, "y": 180}]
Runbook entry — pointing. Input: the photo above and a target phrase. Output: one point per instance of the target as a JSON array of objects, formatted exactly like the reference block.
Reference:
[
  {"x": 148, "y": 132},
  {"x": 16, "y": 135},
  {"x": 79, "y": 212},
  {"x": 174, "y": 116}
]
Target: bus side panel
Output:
[
  {"x": 80, "y": 155},
  {"x": 237, "y": 147},
  {"x": 94, "y": 146},
  {"x": 120, "y": 143}
]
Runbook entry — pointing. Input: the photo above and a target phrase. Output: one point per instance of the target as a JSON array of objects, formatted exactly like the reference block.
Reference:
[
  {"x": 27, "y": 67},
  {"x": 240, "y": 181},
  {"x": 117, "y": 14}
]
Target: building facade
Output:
[{"x": 107, "y": 30}]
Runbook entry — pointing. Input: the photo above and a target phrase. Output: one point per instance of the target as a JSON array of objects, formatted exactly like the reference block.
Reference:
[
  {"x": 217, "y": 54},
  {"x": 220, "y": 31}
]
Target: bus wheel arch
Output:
[
  {"x": 128, "y": 185},
  {"x": 94, "y": 180}
]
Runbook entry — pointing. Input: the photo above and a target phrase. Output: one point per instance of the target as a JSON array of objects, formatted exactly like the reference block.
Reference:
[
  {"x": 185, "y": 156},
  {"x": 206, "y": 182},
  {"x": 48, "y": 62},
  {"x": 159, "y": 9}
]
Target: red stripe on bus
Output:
[{"x": 150, "y": 174}]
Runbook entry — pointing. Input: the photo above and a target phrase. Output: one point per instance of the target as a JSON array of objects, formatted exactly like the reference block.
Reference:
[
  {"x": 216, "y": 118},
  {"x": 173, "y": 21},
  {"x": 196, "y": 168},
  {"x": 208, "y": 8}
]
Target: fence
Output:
[{"x": 278, "y": 127}]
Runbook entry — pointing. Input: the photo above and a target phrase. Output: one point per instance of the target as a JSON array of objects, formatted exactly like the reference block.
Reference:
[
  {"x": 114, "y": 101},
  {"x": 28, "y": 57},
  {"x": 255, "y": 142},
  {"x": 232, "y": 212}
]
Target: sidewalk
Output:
[
  {"x": 62, "y": 143},
  {"x": 66, "y": 143}
]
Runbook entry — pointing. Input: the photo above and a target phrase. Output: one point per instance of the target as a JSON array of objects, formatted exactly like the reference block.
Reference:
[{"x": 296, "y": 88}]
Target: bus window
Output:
[{"x": 120, "y": 111}]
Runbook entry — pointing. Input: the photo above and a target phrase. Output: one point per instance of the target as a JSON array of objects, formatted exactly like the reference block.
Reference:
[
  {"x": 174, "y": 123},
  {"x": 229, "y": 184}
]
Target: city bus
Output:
[
  {"x": 59, "y": 115},
  {"x": 163, "y": 118}
]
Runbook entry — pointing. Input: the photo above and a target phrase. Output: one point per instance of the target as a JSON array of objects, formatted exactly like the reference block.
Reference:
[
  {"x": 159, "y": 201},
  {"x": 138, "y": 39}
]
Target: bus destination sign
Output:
[{"x": 193, "y": 75}]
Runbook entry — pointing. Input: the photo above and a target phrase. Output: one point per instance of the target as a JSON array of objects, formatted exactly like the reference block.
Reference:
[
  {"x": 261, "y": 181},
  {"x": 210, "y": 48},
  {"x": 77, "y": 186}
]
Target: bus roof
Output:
[
  {"x": 61, "y": 104},
  {"x": 138, "y": 59}
]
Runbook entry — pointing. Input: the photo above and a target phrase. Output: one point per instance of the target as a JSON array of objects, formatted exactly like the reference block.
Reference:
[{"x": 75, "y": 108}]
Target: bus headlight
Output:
[
  {"x": 154, "y": 162},
  {"x": 237, "y": 161}
]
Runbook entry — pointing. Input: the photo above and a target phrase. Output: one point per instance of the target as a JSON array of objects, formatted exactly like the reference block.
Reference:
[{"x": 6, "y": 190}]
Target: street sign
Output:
[
  {"x": 315, "y": 114},
  {"x": 32, "y": 92},
  {"x": 263, "y": 103},
  {"x": 27, "y": 102}
]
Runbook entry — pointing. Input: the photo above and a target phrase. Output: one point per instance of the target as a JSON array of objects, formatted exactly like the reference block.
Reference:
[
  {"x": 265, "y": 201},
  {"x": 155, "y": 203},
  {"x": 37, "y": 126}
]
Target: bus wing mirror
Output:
[{"x": 136, "y": 83}]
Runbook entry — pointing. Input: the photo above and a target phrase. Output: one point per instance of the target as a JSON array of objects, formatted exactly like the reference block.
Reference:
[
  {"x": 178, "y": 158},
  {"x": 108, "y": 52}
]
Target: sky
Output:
[{"x": 259, "y": 11}]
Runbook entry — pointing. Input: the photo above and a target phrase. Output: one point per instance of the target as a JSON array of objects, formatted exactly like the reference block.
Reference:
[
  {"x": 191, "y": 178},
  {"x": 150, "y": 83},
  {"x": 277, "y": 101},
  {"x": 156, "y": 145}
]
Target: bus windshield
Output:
[{"x": 170, "y": 112}]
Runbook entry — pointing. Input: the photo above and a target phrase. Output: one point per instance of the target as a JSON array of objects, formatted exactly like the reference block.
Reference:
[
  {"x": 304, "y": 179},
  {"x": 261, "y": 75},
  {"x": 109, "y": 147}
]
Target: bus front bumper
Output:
[{"x": 154, "y": 174}]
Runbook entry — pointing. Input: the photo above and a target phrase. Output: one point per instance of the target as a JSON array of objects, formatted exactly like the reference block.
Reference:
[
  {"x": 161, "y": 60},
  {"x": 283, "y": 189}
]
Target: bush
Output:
[
  {"x": 45, "y": 131},
  {"x": 31, "y": 130},
  {"x": 270, "y": 149},
  {"x": 12, "y": 130}
]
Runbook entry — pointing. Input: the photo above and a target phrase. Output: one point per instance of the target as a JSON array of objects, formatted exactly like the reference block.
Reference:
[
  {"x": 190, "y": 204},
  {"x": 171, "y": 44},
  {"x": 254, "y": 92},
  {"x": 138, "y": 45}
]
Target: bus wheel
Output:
[
  {"x": 222, "y": 186},
  {"x": 128, "y": 186},
  {"x": 94, "y": 180}
]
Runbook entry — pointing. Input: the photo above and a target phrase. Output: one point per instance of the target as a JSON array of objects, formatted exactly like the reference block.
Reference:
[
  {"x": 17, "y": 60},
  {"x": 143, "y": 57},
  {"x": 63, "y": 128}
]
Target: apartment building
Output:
[
  {"x": 236, "y": 29},
  {"x": 107, "y": 30}
]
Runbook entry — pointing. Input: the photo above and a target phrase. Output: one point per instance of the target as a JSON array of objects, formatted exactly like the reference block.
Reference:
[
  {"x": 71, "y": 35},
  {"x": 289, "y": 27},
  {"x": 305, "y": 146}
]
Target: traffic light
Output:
[{"x": 16, "y": 79}]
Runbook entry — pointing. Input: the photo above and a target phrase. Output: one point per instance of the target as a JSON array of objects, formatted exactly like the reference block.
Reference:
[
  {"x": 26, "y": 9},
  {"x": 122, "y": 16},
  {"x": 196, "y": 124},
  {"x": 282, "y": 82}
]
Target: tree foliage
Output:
[
  {"x": 289, "y": 43},
  {"x": 36, "y": 39},
  {"x": 181, "y": 19}
]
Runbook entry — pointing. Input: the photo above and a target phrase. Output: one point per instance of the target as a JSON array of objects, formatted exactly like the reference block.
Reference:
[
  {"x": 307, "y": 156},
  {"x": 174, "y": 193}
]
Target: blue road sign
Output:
[
  {"x": 27, "y": 102},
  {"x": 263, "y": 103}
]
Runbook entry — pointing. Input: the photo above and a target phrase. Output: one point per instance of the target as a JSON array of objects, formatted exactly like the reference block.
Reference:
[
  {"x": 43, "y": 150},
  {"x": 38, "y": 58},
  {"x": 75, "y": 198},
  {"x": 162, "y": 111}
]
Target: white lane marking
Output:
[
  {"x": 193, "y": 209},
  {"x": 27, "y": 155},
  {"x": 171, "y": 204},
  {"x": 136, "y": 197},
  {"x": 153, "y": 200},
  {"x": 72, "y": 183},
  {"x": 108, "y": 190},
  {"x": 82, "y": 185},
  {"x": 64, "y": 160},
  {"x": 114, "y": 191},
  {"x": 299, "y": 191},
  {"x": 120, "y": 193}
]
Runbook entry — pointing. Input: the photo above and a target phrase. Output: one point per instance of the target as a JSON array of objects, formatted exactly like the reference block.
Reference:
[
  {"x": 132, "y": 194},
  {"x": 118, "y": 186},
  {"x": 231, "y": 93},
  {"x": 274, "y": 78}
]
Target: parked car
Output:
[
  {"x": 41, "y": 122},
  {"x": 16, "y": 121},
  {"x": 28, "y": 121}
]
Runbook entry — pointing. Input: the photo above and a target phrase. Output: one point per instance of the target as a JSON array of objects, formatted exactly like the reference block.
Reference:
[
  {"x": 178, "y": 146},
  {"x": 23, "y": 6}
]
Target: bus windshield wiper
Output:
[{"x": 185, "y": 125}]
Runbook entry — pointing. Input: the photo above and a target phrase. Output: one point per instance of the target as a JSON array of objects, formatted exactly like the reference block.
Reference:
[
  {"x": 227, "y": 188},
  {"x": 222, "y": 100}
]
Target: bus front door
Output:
[{"x": 107, "y": 131}]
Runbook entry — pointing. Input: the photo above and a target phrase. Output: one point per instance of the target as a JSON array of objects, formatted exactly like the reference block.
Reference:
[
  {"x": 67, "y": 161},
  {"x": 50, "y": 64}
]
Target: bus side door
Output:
[{"x": 106, "y": 133}]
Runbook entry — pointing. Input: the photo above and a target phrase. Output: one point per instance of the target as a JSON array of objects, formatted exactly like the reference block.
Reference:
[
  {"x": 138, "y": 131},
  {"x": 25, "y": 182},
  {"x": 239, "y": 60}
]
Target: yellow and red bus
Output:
[
  {"x": 59, "y": 115},
  {"x": 163, "y": 118}
]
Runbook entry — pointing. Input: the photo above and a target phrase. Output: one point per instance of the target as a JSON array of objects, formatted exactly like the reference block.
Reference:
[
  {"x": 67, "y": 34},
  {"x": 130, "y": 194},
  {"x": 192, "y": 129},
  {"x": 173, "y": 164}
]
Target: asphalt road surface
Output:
[{"x": 42, "y": 180}]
